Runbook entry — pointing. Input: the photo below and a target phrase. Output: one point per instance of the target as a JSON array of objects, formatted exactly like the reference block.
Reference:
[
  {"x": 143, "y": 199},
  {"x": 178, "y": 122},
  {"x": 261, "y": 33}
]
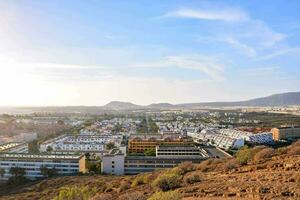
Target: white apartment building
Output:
[
  {"x": 14, "y": 147},
  {"x": 166, "y": 157},
  {"x": 113, "y": 163},
  {"x": 261, "y": 138},
  {"x": 180, "y": 151},
  {"x": 213, "y": 137},
  {"x": 80, "y": 143},
  {"x": 64, "y": 164}
]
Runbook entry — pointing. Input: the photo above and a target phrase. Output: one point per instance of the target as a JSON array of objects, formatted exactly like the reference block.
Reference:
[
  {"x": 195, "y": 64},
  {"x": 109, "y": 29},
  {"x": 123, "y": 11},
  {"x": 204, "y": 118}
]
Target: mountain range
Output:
[{"x": 283, "y": 99}]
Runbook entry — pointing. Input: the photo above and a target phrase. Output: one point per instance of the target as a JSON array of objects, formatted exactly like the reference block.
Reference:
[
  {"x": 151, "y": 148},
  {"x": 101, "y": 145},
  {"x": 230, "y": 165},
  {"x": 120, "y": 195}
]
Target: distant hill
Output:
[
  {"x": 119, "y": 105},
  {"x": 162, "y": 106},
  {"x": 283, "y": 99}
]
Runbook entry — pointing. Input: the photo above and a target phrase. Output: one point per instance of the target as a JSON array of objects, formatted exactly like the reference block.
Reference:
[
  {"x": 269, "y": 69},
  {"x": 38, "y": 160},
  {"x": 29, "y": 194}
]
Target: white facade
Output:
[
  {"x": 113, "y": 163},
  {"x": 261, "y": 138},
  {"x": 65, "y": 165},
  {"x": 14, "y": 147},
  {"x": 215, "y": 138},
  {"x": 180, "y": 151},
  {"x": 80, "y": 143}
]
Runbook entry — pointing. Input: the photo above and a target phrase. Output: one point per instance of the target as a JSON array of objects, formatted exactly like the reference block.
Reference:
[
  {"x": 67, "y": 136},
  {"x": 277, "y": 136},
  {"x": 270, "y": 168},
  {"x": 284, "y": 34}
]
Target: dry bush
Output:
[
  {"x": 124, "y": 186},
  {"x": 133, "y": 196},
  {"x": 294, "y": 150},
  {"x": 257, "y": 149},
  {"x": 230, "y": 164},
  {"x": 167, "y": 182},
  {"x": 140, "y": 180},
  {"x": 186, "y": 167},
  {"x": 171, "y": 195},
  {"x": 75, "y": 193},
  {"x": 192, "y": 178},
  {"x": 281, "y": 151},
  {"x": 295, "y": 144},
  {"x": 102, "y": 196},
  {"x": 264, "y": 154},
  {"x": 207, "y": 165}
]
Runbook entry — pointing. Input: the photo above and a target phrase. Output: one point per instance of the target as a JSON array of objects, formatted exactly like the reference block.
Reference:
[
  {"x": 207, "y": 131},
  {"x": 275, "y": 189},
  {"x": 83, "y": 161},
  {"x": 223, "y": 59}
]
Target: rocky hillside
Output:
[{"x": 259, "y": 173}]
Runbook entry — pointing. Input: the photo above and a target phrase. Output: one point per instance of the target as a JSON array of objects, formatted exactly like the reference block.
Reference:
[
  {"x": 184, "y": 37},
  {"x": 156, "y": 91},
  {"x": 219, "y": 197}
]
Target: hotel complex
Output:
[
  {"x": 117, "y": 163},
  {"x": 125, "y": 152},
  {"x": 286, "y": 133},
  {"x": 142, "y": 143},
  {"x": 80, "y": 143},
  {"x": 63, "y": 164},
  {"x": 14, "y": 147}
]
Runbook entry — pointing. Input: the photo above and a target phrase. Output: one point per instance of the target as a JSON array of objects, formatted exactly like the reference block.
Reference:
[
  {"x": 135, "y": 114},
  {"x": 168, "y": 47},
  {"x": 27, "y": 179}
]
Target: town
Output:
[{"x": 133, "y": 143}]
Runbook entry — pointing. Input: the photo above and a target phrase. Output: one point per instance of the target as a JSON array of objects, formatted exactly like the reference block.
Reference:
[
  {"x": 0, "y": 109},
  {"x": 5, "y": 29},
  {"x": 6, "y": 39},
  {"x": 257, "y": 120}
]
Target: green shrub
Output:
[
  {"x": 192, "y": 178},
  {"x": 140, "y": 180},
  {"x": 170, "y": 195},
  {"x": 75, "y": 193},
  {"x": 150, "y": 152},
  {"x": 244, "y": 155},
  {"x": 167, "y": 182}
]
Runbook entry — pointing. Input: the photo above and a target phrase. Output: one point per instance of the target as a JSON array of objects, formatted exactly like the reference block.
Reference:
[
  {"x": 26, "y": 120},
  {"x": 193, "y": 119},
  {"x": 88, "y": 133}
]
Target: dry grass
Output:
[{"x": 274, "y": 177}]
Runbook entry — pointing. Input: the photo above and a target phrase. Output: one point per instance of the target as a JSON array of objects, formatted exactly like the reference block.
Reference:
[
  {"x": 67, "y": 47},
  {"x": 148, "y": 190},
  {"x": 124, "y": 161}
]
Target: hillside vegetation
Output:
[{"x": 257, "y": 173}]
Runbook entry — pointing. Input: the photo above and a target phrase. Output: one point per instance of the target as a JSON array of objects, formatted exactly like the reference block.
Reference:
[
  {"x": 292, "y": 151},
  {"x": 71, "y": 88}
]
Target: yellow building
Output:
[
  {"x": 140, "y": 145},
  {"x": 286, "y": 133}
]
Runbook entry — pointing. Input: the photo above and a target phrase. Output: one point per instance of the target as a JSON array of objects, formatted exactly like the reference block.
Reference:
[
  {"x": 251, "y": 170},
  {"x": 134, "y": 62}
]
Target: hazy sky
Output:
[{"x": 90, "y": 52}]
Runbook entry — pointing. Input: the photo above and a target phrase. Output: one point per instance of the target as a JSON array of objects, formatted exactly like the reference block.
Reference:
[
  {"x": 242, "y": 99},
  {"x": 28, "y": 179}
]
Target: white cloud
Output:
[
  {"x": 280, "y": 52},
  {"x": 229, "y": 15},
  {"x": 257, "y": 32},
  {"x": 204, "y": 64},
  {"x": 245, "y": 49}
]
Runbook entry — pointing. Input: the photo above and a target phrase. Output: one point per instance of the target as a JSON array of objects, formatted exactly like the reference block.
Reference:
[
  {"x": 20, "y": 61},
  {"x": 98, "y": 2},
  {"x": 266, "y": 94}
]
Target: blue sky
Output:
[{"x": 90, "y": 52}]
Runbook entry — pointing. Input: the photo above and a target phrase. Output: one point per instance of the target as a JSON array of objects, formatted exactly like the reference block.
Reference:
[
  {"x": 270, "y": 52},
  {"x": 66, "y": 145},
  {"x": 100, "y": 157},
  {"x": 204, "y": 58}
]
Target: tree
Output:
[
  {"x": 49, "y": 149},
  {"x": 33, "y": 147},
  {"x": 48, "y": 172},
  {"x": 2, "y": 172},
  {"x": 94, "y": 167},
  {"x": 60, "y": 122},
  {"x": 17, "y": 171},
  {"x": 150, "y": 152},
  {"x": 110, "y": 146},
  {"x": 18, "y": 176}
]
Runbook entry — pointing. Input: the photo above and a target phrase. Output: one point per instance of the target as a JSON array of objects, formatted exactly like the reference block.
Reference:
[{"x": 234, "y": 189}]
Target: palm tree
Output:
[{"x": 2, "y": 172}]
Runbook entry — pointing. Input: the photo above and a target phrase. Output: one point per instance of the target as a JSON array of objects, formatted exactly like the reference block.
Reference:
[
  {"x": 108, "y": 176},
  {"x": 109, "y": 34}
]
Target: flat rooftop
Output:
[
  {"x": 178, "y": 148},
  {"x": 9, "y": 145},
  {"x": 40, "y": 156}
]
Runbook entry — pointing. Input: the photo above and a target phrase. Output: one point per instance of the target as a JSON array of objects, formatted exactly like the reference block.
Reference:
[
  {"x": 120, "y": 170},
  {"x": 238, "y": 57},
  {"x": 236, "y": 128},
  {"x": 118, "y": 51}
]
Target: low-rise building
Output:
[
  {"x": 113, "y": 163},
  {"x": 140, "y": 144},
  {"x": 14, "y": 147},
  {"x": 286, "y": 133},
  {"x": 166, "y": 157},
  {"x": 80, "y": 143},
  {"x": 261, "y": 138},
  {"x": 180, "y": 151},
  {"x": 140, "y": 164},
  {"x": 32, "y": 163}
]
